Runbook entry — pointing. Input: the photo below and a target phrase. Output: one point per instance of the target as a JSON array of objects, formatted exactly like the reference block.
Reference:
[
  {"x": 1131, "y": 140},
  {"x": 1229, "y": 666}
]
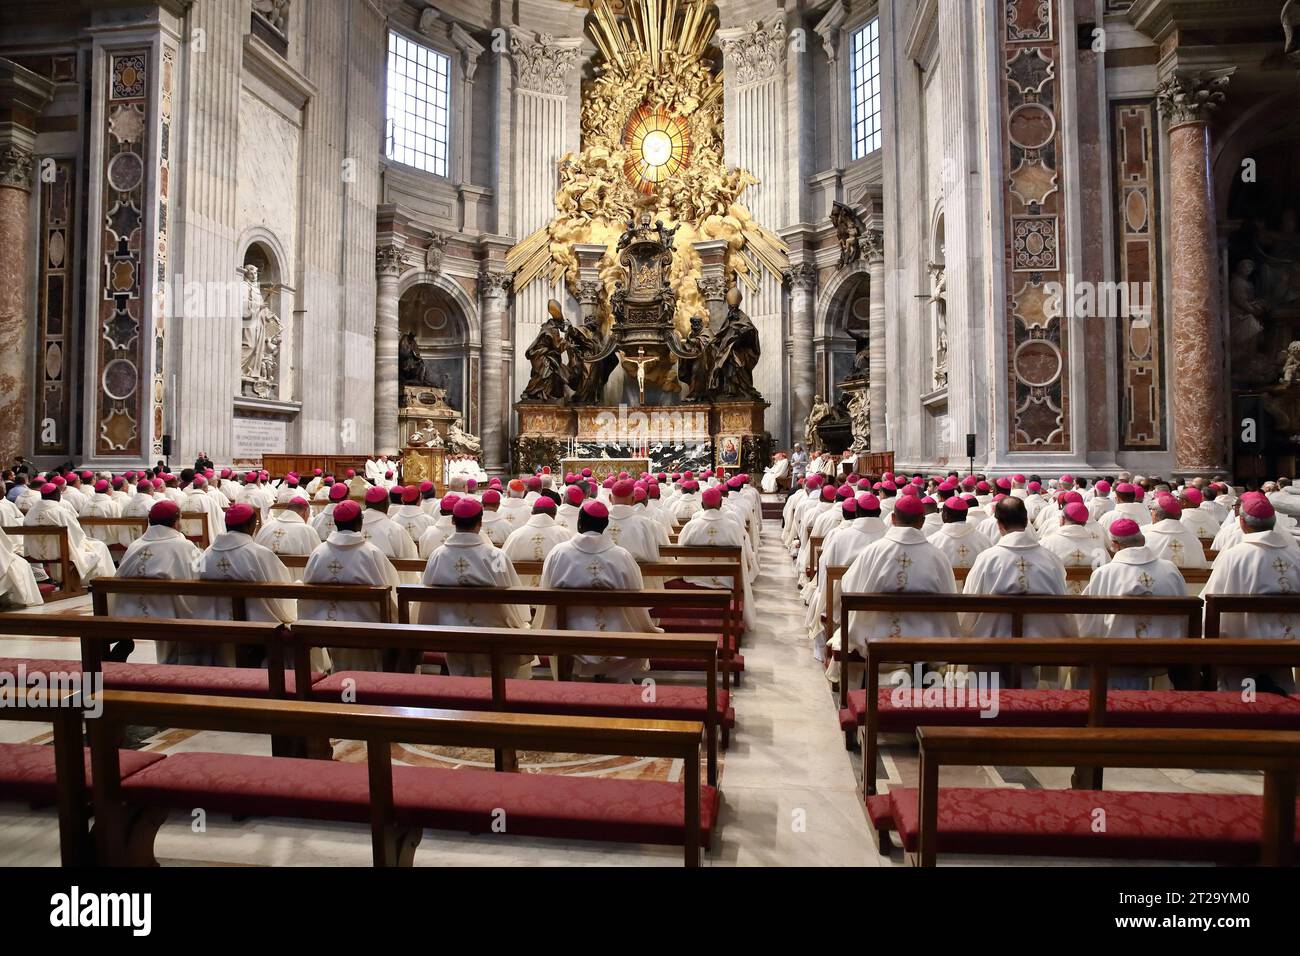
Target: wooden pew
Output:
[
  {"x": 1016, "y": 606},
  {"x": 542, "y": 696},
  {"x": 240, "y": 592},
  {"x": 1276, "y": 754},
  {"x": 1098, "y": 655},
  {"x": 67, "y": 768},
  {"x": 69, "y": 582},
  {"x": 129, "y": 813},
  {"x": 204, "y": 538},
  {"x": 137, "y": 526},
  {"x": 815, "y": 543},
  {"x": 714, "y": 603},
  {"x": 1193, "y": 577},
  {"x": 1216, "y": 605}
]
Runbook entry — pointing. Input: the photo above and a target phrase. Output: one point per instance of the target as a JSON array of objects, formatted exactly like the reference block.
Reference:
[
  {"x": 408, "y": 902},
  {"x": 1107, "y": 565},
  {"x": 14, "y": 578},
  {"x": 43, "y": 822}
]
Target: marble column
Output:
[
  {"x": 388, "y": 269},
  {"x": 494, "y": 293},
  {"x": 1200, "y": 400},
  {"x": 23, "y": 95},
  {"x": 803, "y": 281},
  {"x": 877, "y": 365}
]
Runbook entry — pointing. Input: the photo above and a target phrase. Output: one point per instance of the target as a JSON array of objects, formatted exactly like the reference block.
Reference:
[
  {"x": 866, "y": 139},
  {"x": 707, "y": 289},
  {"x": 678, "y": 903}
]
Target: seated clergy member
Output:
[
  {"x": 163, "y": 552},
  {"x": 1134, "y": 571},
  {"x": 409, "y": 516},
  {"x": 1169, "y": 538},
  {"x": 90, "y": 557},
  {"x": 711, "y": 527},
  {"x": 287, "y": 531},
  {"x": 442, "y": 527},
  {"x": 592, "y": 561},
  {"x": 1196, "y": 518},
  {"x": 323, "y": 523},
  {"x": 235, "y": 556},
  {"x": 1128, "y": 504},
  {"x": 567, "y": 513},
  {"x": 537, "y": 538},
  {"x": 859, "y": 527},
  {"x": 379, "y": 530},
  {"x": 1017, "y": 564},
  {"x": 346, "y": 557},
  {"x": 630, "y": 527},
  {"x": 496, "y": 528},
  {"x": 1266, "y": 561},
  {"x": 467, "y": 559},
  {"x": 1077, "y": 541},
  {"x": 199, "y": 500},
  {"x": 18, "y": 587},
  {"x": 102, "y": 504},
  {"x": 901, "y": 561},
  {"x": 959, "y": 540}
]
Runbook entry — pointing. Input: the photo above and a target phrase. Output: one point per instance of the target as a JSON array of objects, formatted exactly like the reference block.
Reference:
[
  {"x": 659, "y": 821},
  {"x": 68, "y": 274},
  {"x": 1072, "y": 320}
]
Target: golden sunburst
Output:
[{"x": 658, "y": 146}]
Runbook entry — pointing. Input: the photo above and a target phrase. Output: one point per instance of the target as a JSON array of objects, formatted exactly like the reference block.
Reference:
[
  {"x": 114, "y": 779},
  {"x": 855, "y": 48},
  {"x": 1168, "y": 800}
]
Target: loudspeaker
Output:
[
  {"x": 970, "y": 446},
  {"x": 167, "y": 446}
]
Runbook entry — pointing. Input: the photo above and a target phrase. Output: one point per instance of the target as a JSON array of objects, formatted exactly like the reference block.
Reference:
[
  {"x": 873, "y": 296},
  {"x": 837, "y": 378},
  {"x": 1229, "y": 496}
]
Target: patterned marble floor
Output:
[{"x": 789, "y": 787}]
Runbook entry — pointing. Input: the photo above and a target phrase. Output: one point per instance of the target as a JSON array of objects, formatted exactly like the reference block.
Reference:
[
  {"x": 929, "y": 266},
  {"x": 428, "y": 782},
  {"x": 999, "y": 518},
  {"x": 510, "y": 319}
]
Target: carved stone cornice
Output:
[
  {"x": 1192, "y": 97},
  {"x": 802, "y": 277},
  {"x": 435, "y": 28},
  {"x": 542, "y": 63},
  {"x": 389, "y": 260},
  {"x": 16, "y": 164},
  {"x": 756, "y": 51},
  {"x": 494, "y": 284}
]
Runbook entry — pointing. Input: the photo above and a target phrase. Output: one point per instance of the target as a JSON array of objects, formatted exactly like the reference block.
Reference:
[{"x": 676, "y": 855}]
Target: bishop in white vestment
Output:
[
  {"x": 163, "y": 552},
  {"x": 287, "y": 531},
  {"x": 466, "y": 559},
  {"x": 537, "y": 538}
]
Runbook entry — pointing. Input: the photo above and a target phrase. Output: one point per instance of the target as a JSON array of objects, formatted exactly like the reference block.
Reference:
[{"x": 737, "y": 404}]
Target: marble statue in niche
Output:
[
  {"x": 848, "y": 231},
  {"x": 939, "y": 323},
  {"x": 860, "y": 415},
  {"x": 816, "y": 415},
  {"x": 862, "y": 353},
  {"x": 259, "y": 361}
]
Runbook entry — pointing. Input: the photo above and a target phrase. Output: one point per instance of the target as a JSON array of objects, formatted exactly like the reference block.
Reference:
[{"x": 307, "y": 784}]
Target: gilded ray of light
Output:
[{"x": 654, "y": 75}]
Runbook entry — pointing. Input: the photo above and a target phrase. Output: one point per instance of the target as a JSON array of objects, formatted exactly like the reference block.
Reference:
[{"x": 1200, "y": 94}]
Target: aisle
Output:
[{"x": 788, "y": 783}]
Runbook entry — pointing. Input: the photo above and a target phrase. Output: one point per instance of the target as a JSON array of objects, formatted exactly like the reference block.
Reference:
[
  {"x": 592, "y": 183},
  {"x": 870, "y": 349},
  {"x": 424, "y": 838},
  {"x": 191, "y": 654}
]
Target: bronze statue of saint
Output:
[
  {"x": 546, "y": 355},
  {"x": 693, "y": 372},
  {"x": 587, "y": 377},
  {"x": 736, "y": 351}
]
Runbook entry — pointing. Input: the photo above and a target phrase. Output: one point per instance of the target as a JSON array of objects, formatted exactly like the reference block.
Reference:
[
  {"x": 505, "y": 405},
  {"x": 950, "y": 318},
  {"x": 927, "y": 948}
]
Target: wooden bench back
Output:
[
  {"x": 240, "y": 592},
  {"x": 498, "y": 642},
  {"x": 1098, "y": 655},
  {"x": 380, "y": 727},
  {"x": 409, "y": 594},
  {"x": 64, "y": 711},
  {"x": 70, "y": 583},
  {"x": 204, "y": 538},
  {"x": 1276, "y": 753},
  {"x": 133, "y": 524},
  {"x": 1216, "y": 605}
]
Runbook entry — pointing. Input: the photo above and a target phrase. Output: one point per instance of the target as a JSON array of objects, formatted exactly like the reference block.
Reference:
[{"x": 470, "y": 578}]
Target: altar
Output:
[
  {"x": 602, "y": 468},
  {"x": 689, "y": 401}
]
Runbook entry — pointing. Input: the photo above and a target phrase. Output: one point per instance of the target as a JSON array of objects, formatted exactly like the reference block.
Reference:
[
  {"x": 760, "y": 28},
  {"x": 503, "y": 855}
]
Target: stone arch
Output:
[
  {"x": 262, "y": 247},
  {"x": 454, "y": 291},
  {"x": 833, "y": 348},
  {"x": 431, "y": 308}
]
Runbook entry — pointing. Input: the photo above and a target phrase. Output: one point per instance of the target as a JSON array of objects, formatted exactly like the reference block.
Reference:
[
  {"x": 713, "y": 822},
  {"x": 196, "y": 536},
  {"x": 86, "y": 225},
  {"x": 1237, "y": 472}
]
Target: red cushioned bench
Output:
[
  {"x": 56, "y": 773},
  {"x": 707, "y": 704},
  {"x": 398, "y": 802},
  {"x": 1218, "y": 828},
  {"x": 1096, "y": 706}
]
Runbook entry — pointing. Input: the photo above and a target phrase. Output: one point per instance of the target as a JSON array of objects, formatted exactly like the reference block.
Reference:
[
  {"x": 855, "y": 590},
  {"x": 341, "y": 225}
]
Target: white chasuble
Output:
[
  {"x": 593, "y": 562},
  {"x": 346, "y": 557},
  {"x": 288, "y": 533},
  {"x": 166, "y": 554}
]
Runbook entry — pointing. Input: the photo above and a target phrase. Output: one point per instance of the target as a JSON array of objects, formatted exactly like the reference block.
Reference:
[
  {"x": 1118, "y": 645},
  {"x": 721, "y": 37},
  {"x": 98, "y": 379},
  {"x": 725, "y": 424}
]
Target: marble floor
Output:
[{"x": 790, "y": 794}]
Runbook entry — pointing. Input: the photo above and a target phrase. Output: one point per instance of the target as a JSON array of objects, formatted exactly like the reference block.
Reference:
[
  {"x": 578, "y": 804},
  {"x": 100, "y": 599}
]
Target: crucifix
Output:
[{"x": 641, "y": 360}]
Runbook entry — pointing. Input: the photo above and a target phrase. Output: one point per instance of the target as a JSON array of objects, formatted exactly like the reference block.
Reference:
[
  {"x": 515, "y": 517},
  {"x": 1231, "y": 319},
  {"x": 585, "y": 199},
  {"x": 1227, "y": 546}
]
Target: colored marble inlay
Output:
[
  {"x": 1035, "y": 229},
  {"x": 121, "y": 347},
  {"x": 1137, "y": 254},
  {"x": 54, "y": 315}
]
